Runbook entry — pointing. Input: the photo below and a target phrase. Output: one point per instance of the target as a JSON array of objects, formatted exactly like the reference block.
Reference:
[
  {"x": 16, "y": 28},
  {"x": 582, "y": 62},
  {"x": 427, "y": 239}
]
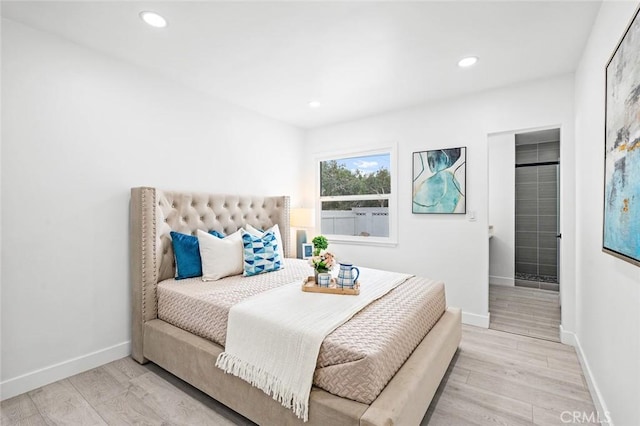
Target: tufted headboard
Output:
[{"x": 155, "y": 213}]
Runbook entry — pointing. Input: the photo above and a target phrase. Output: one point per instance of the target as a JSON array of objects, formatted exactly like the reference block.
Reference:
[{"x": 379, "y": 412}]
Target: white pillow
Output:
[
  {"x": 221, "y": 257},
  {"x": 276, "y": 231}
]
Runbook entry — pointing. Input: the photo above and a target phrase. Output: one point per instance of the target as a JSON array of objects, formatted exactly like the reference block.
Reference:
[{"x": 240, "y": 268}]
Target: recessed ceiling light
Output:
[
  {"x": 153, "y": 19},
  {"x": 314, "y": 104},
  {"x": 468, "y": 61}
]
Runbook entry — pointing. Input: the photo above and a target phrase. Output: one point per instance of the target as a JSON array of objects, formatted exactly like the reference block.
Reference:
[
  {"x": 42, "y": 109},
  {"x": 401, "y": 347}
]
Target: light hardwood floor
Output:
[
  {"x": 526, "y": 311},
  {"x": 496, "y": 378}
]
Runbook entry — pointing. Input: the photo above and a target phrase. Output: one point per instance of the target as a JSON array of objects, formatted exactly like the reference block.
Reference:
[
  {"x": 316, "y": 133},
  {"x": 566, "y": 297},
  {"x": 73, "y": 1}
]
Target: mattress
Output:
[{"x": 356, "y": 361}]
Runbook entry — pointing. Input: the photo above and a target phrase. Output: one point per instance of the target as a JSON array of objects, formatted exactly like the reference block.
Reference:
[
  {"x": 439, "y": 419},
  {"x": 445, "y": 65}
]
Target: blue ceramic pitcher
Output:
[{"x": 346, "y": 276}]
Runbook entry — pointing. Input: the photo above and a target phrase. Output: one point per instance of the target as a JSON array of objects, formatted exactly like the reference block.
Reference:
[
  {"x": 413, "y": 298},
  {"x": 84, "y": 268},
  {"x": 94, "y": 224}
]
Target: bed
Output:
[{"x": 185, "y": 350}]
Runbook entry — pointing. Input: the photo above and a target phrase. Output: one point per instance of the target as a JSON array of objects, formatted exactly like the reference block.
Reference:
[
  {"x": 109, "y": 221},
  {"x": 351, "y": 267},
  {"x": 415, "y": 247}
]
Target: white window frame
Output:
[{"x": 392, "y": 239}]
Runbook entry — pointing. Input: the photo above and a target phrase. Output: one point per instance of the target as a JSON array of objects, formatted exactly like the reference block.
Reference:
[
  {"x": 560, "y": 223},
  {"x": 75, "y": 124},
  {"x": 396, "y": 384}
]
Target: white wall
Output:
[
  {"x": 502, "y": 189},
  {"x": 78, "y": 130},
  {"x": 449, "y": 247},
  {"x": 608, "y": 291}
]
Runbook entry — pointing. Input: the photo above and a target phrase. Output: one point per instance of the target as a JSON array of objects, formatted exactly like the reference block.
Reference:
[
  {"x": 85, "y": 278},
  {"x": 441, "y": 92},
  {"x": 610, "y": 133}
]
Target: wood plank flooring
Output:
[
  {"x": 496, "y": 378},
  {"x": 525, "y": 311}
]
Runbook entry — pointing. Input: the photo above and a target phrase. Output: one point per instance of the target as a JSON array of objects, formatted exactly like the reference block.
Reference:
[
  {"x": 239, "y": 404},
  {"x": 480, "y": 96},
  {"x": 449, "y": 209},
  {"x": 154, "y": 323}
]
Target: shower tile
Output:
[
  {"x": 526, "y": 207},
  {"x": 536, "y": 212},
  {"x": 547, "y": 240},
  {"x": 548, "y": 207},
  {"x": 526, "y": 223},
  {"x": 527, "y": 254},
  {"x": 549, "y": 151},
  {"x": 548, "y": 190},
  {"x": 549, "y": 155},
  {"x": 526, "y": 239},
  {"x": 526, "y": 268},
  {"x": 551, "y": 270},
  {"x": 526, "y": 175},
  {"x": 526, "y": 154},
  {"x": 547, "y": 173},
  {"x": 548, "y": 146},
  {"x": 527, "y": 147},
  {"x": 526, "y": 191},
  {"x": 547, "y": 224},
  {"x": 548, "y": 256}
]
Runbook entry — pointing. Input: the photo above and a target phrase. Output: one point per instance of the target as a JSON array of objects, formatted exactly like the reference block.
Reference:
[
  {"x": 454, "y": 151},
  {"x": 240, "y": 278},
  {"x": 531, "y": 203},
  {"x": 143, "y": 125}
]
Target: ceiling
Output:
[{"x": 356, "y": 58}]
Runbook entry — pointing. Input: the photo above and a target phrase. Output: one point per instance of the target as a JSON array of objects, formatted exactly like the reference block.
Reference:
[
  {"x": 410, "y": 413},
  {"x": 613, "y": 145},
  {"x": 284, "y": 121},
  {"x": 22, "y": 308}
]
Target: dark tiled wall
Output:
[{"x": 537, "y": 209}]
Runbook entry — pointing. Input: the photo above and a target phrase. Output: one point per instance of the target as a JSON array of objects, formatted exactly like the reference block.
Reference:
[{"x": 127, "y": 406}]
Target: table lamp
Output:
[{"x": 302, "y": 218}]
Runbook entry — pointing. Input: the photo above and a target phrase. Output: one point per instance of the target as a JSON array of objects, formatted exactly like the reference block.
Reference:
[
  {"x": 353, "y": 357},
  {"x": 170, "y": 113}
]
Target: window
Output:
[{"x": 356, "y": 197}]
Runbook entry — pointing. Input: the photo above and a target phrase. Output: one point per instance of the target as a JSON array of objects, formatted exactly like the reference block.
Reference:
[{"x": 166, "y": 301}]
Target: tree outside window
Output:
[{"x": 355, "y": 194}]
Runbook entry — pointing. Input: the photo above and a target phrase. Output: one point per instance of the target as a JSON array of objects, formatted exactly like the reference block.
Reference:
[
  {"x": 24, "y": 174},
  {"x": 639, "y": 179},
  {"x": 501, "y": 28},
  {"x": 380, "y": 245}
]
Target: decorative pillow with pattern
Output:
[
  {"x": 276, "y": 231},
  {"x": 260, "y": 253}
]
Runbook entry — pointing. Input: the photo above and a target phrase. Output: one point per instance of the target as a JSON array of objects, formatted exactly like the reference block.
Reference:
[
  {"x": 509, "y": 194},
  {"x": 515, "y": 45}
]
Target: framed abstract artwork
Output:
[
  {"x": 440, "y": 181},
  {"x": 621, "y": 227}
]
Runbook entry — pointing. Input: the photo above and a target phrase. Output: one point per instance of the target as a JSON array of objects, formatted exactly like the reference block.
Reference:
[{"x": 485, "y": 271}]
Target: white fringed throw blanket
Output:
[{"x": 273, "y": 338}]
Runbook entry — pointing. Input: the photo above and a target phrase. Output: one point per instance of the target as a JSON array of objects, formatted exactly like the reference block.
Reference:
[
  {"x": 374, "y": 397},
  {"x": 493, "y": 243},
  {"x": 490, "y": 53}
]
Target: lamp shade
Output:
[{"x": 303, "y": 218}]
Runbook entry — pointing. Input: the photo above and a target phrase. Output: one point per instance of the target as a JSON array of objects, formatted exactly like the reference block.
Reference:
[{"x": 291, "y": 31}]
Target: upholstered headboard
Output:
[{"x": 155, "y": 213}]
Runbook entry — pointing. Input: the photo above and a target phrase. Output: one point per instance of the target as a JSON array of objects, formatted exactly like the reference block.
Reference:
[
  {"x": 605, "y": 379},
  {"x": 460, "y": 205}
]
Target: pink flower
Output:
[{"x": 323, "y": 261}]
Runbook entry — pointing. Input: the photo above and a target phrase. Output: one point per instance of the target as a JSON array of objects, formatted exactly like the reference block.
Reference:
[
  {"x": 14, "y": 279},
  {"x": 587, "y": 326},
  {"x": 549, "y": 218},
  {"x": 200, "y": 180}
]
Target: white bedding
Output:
[{"x": 273, "y": 338}]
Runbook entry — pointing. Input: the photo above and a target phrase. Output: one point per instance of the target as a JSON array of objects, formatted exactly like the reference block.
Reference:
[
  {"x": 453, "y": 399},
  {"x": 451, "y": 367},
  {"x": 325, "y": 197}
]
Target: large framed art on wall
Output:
[
  {"x": 439, "y": 181},
  {"x": 621, "y": 227}
]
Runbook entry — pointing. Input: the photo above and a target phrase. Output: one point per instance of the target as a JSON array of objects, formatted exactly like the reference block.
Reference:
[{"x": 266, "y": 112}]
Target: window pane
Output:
[
  {"x": 355, "y": 176},
  {"x": 365, "y": 218}
]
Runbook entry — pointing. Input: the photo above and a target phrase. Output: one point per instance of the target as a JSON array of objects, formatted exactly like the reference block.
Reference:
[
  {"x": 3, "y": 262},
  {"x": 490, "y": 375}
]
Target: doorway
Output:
[{"x": 524, "y": 200}]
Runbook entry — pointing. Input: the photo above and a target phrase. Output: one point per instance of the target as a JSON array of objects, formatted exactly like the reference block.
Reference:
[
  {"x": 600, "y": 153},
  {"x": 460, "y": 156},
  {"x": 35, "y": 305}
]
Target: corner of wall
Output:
[{"x": 475, "y": 319}]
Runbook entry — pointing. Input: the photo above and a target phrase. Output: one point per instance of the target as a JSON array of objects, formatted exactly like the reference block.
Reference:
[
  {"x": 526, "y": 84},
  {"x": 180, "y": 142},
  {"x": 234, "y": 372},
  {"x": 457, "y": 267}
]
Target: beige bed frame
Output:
[{"x": 154, "y": 213}]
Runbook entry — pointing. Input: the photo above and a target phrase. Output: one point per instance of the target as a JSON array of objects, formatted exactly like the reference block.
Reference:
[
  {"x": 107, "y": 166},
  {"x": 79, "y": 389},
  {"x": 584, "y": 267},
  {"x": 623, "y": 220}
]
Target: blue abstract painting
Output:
[
  {"x": 622, "y": 149},
  {"x": 439, "y": 181}
]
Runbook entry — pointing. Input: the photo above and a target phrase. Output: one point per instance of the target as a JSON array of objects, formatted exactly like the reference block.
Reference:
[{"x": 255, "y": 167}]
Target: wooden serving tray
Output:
[{"x": 309, "y": 285}]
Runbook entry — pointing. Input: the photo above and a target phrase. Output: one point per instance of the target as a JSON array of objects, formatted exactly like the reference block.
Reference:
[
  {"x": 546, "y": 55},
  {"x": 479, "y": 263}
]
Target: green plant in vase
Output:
[
  {"x": 319, "y": 243},
  {"x": 321, "y": 261}
]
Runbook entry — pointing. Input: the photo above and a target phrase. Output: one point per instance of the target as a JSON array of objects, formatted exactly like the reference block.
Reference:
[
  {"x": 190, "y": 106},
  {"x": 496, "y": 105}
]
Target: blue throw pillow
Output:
[
  {"x": 216, "y": 234},
  {"x": 187, "y": 252},
  {"x": 260, "y": 253}
]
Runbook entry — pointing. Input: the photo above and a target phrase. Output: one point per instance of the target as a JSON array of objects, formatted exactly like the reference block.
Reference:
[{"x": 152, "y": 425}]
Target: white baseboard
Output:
[
  {"x": 506, "y": 281},
  {"x": 570, "y": 338},
  {"x": 35, "y": 379},
  {"x": 567, "y": 337},
  {"x": 475, "y": 319}
]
